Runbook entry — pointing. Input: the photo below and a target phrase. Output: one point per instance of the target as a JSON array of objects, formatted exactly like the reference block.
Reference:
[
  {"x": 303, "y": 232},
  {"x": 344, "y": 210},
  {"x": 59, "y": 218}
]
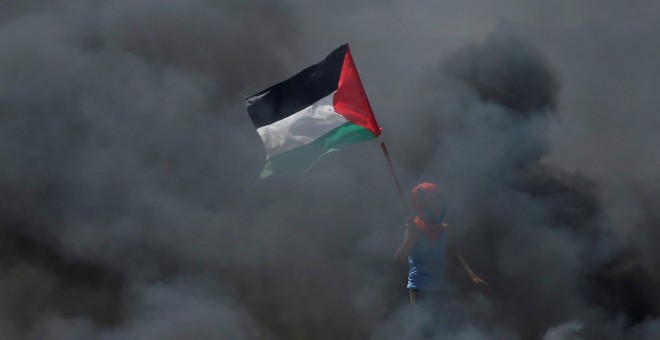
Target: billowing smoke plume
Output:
[
  {"x": 539, "y": 232},
  {"x": 128, "y": 206}
]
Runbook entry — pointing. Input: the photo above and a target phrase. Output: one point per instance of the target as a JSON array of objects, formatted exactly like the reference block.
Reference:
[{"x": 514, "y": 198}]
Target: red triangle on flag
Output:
[{"x": 351, "y": 101}]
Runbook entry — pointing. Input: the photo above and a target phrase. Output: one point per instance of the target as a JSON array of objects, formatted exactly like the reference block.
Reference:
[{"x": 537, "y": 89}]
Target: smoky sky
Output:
[{"x": 128, "y": 204}]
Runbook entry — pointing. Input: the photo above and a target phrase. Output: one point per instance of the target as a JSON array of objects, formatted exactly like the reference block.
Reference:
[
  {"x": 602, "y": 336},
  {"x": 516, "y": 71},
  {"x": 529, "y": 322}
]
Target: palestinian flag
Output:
[{"x": 320, "y": 110}]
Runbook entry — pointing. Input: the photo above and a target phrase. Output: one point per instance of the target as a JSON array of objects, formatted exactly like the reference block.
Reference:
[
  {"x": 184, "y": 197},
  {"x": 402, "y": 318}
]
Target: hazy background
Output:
[{"x": 126, "y": 151}]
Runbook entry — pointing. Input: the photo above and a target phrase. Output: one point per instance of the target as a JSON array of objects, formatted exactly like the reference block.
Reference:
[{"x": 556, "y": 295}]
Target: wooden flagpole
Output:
[{"x": 406, "y": 209}]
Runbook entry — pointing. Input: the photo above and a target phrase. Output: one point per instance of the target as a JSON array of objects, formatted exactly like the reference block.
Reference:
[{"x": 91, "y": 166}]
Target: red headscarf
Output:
[{"x": 421, "y": 195}]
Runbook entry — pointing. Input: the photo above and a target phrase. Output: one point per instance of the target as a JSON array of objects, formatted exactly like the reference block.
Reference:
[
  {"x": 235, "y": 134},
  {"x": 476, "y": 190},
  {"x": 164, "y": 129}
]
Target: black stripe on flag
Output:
[{"x": 298, "y": 92}]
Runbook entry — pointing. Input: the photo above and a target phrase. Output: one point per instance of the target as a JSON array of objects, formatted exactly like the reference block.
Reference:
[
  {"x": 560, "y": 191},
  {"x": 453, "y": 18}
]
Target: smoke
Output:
[
  {"x": 126, "y": 153},
  {"x": 114, "y": 136},
  {"x": 510, "y": 74},
  {"x": 539, "y": 232},
  {"x": 564, "y": 331}
]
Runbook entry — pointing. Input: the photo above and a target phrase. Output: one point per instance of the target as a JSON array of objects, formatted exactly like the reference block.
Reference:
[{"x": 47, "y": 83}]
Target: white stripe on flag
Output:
[{"x": 302, "y": 127}]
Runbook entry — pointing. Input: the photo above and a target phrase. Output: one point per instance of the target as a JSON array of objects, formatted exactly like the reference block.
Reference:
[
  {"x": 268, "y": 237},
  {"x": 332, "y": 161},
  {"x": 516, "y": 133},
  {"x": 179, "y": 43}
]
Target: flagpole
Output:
[{"x": 406, "y": 209}]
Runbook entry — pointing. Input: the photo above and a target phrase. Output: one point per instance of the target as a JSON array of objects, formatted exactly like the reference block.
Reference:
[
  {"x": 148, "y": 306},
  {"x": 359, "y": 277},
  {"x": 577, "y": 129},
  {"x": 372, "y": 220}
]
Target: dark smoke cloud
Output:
[
  {"x": 113, "y": 132},
  {"x": 540, "y": 232},
  {"x": 126, "y": 152},
  {"x": 511, "y": 74}
]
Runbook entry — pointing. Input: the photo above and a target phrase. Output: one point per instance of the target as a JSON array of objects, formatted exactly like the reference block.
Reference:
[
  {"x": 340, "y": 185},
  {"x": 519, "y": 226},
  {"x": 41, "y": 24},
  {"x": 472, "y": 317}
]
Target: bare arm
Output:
[
  {"x": 473, "y": 277},
  {"x": 409, "y": 238}
]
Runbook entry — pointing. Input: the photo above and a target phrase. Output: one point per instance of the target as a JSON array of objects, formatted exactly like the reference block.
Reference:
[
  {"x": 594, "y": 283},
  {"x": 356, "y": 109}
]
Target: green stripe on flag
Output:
[{"x": 303, "y": 158}]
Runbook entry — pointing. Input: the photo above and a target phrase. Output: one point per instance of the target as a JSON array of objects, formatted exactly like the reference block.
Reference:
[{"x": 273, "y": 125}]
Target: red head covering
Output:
[{"x": 421, "y": 196}]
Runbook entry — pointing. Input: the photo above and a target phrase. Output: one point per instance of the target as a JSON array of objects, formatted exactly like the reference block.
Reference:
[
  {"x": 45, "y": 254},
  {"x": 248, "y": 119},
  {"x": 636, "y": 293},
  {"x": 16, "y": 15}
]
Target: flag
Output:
[{"x": 322, "y": 109}]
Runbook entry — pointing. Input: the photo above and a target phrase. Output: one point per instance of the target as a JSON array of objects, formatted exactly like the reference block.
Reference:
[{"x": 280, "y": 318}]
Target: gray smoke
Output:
[
  {"x": 126, "y": 153},
  {"x": 564, "y": 331}
]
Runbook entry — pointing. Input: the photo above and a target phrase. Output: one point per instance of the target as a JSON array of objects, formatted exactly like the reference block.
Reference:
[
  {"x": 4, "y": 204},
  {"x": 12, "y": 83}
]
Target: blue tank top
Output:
[{"x": 427, "y": 263}]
